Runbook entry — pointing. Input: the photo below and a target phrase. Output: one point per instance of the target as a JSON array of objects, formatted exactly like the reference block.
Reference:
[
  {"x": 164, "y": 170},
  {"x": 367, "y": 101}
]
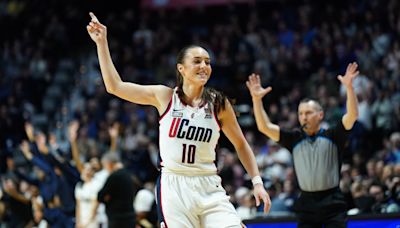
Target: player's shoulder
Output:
[
  {"x": 163, "y": 93},
  {"x": 163, "y": 90}
]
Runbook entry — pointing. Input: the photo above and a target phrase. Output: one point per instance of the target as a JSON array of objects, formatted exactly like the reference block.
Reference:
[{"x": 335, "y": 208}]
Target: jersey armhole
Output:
[
  {"x": 167, "y": 109},
  {"x": 217, "y": 120}
]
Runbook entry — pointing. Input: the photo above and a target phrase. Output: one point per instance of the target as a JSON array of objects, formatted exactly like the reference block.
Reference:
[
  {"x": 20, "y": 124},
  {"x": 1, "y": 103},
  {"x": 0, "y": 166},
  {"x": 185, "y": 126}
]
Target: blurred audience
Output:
[{"x": 49, "y": 79}]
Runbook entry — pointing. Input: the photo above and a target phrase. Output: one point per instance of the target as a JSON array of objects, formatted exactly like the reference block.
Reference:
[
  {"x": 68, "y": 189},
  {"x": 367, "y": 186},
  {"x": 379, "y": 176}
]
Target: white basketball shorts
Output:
[{"x": 194, "y": 202}]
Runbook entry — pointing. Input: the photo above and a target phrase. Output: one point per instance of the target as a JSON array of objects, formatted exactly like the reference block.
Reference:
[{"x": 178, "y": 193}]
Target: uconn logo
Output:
[{"x": 180, "y": 128}]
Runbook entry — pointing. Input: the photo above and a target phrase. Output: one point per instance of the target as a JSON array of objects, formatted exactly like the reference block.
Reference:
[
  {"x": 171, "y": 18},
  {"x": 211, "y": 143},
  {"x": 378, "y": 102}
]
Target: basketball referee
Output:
[{"x": 317, "y": 153}]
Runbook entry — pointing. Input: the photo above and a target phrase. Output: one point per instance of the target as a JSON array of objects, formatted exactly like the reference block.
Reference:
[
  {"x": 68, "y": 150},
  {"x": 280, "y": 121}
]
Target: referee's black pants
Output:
[
  {"x": 122, "y": 223},
  {"x": 323, "y": 209}
]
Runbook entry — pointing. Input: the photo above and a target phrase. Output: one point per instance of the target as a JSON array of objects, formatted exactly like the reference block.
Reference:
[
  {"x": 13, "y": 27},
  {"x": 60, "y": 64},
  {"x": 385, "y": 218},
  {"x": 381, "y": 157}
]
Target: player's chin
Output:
[{"x": 203, "y": 80}]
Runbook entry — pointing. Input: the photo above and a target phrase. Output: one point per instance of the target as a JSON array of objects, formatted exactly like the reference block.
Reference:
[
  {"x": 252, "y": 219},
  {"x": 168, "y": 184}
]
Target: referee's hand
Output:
[{"x": 261, "y": 194}]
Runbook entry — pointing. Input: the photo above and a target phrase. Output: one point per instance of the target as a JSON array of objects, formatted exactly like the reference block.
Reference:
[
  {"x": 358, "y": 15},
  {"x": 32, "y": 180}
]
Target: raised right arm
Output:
[
  {"x": 155, "y": 95},
  {"x": 257, "y": 92},
  {"x": 73, "y": 135}
]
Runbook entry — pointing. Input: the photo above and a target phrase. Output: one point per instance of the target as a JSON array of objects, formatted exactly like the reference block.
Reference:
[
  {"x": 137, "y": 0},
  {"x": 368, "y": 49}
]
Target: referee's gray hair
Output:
[
  {"x": 112, "y": 157},
  {"x": 318, "y": 106}
]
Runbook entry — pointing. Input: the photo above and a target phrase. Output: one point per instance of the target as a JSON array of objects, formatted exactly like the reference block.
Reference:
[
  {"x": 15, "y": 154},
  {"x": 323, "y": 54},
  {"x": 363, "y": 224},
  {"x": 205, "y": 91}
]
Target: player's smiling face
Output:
[{"x": 196, "y": 66}]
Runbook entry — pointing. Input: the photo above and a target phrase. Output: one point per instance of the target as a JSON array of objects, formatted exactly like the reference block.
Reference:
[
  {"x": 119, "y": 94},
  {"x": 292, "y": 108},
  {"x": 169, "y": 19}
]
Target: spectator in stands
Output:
[
  {"x": 145, "y": 209},
  {"x": 52, "y": 209},
  {"x": 246, "y": 208},
  {"x": 362, "y": 200},
  {"x": 20, "y": 203},
  {"x": 118, "y": 193},
  {"x": 383, "y": 202},
  {"x": 86, "y": 199}
]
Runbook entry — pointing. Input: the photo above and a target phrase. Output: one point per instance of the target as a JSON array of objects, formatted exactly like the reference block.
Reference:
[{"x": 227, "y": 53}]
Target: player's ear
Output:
[{"x": 179, "y": 67}]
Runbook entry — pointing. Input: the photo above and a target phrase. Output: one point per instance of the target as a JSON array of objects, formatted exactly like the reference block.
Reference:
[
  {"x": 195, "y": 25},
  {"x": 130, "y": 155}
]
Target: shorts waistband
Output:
[{"x": 189, "y": 174}]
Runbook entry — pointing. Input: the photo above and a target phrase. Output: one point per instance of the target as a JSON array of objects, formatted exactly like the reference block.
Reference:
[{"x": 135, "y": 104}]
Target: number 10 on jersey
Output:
[{"x": 188, "y": 153}]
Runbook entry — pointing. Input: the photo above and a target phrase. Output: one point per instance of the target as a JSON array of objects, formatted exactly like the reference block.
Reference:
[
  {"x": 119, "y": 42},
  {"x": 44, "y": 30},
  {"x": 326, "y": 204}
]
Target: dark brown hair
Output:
[{"x": 210, "y": 95}]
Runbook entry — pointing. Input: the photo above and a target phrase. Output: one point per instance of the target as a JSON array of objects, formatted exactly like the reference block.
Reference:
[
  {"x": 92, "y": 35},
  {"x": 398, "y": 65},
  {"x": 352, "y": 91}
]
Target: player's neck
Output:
[{"x": 193, "y": 95}]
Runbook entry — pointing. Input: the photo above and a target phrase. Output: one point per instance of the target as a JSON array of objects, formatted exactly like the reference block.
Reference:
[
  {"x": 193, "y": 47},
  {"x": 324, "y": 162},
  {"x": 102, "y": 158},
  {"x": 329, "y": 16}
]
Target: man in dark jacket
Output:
[{"x": 118, "y": 193}]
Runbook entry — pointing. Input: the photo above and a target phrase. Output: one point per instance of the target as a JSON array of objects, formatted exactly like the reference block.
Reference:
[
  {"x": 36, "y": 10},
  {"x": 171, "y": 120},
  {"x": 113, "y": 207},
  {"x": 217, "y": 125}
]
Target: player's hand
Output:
[
  {"x": 351, "y": 73},
  {"x": 261, "y": 194},
  {"x": 96, "y": 30},
  {"x": 255, "y": 88}
]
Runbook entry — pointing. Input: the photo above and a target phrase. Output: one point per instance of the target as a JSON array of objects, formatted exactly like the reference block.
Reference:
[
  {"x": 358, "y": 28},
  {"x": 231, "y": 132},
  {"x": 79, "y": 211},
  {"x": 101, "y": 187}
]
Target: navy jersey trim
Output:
[
  {"x": 160, "y": 213},
  {"x": 166, "y": 110}
]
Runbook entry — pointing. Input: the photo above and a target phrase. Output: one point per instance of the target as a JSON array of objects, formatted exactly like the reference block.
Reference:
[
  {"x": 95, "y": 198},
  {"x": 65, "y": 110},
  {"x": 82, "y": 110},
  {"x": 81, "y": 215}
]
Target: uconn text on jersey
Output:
[{"x": 182, "y": 129}]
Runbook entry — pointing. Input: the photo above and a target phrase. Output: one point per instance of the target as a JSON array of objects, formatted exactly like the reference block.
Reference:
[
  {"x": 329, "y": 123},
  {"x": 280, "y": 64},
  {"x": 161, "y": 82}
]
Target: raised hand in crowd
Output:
[
  {"x": 113, "y": 131},
  {"x": 73, "y": 128},
  {"x": 25, "y": 149}
]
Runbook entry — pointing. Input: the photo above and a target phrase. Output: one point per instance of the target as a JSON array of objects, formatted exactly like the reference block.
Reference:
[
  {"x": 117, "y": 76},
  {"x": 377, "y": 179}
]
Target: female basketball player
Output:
[{"x": 189, "y": 192}]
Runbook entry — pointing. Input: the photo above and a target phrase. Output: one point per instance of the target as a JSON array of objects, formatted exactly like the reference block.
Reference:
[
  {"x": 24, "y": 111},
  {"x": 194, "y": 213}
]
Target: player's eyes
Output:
[{"x": 207, "y": 62}]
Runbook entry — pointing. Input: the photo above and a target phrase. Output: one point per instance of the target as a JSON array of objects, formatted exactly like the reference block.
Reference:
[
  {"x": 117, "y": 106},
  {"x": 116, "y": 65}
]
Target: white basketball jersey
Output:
[{"x": 188, "y": 138}]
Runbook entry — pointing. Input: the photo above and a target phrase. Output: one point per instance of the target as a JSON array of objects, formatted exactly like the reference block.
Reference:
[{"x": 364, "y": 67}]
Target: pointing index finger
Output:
[{"x": 94, "y": 18}]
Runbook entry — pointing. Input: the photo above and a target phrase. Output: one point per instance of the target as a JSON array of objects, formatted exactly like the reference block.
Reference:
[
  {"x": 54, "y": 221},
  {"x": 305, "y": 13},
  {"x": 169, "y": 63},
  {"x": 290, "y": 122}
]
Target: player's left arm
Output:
[
  {"x": 232, "y": 130},
  {"x": 351, "y": 115}
]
